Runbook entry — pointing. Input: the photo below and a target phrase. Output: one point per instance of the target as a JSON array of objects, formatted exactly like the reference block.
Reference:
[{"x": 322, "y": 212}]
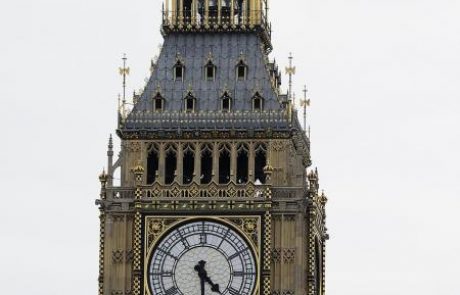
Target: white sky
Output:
[{"x": 384, "y": 83}]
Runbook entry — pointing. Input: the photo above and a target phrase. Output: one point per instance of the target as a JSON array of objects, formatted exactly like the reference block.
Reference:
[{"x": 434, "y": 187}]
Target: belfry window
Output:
[
  {"x": 260, "y": 163},
  {"x": 171, "y": 164},
  {"x": 206, "y": 164},
  {"x": 152, "y": 164},
  {"x": 189, "y": 103},
  {"x": 257, "y": 102},
  {"x": 210, "y": 71},
  {"x": 224, "y": 164},
  {"x": 226, "y": 102},
  {"x": 179, "y": 71},
  {"x": 188, "y": 164},
  {"x": 241, "y": 71},
  {"x": 242, "y": 164}
]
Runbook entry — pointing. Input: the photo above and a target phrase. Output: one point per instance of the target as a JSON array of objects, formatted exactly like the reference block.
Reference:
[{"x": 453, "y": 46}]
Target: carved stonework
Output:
[
  {"x": 278, "y": 145},
  {"x": 288, "y": 292},
  {"x": 249, "y": 225},
  {"x": 117, "y": 256},
  {"x": 129, "y": 255},
  {"x": 132, "y": 146},
  {"x": 118, "y": 218},
  {"x": 289, "y": 255},
  {"x": 289, "y": 218},
  {"x": 276, "y": 255},
  {"x": 156, "y": 226}
]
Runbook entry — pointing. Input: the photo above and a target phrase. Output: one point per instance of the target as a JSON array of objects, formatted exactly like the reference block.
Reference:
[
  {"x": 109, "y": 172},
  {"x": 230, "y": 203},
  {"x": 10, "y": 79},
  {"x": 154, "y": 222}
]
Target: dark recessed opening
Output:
[
  {"x": 210, "y": 71},
  {"x": 188, "y": 167},
  {"x": 260, "y": 163},
  {"x": 206, "y": 167},
  {"x": 152, "y": 167},
  {"x": 241, "y": 72},
  {"x": 226, "y": 103},
  {"x": 224, "y": 167},
  {"x": 189, "y": 104},
  {"x": 158, "y": 104},
  {"x": 258, "y": 104},
  {"x": 170, "y": 169},
  {"x": 179, "y": 72},
  {"x": 242, "y": 167}
]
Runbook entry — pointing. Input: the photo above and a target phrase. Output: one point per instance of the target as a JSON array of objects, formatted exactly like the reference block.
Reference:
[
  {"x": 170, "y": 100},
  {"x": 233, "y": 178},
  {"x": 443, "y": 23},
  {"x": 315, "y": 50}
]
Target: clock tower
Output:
[{"x": 216, "y": 195}]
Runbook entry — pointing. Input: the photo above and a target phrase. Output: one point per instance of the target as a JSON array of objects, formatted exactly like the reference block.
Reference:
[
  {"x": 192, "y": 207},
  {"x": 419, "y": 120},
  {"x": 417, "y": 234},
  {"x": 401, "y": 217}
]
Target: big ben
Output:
[{"x": 216, "y": 194}]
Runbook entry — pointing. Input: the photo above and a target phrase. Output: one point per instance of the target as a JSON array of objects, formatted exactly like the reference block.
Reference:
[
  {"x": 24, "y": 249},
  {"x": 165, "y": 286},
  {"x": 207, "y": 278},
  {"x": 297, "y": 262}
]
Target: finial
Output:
[
  {"x": 124, "y": 71},
  {"x": 103, "y": 177},
  {"x": 305, "y": 103},
  {"x": 290, "y": 71},
  {"x": 110, "y": 142}
]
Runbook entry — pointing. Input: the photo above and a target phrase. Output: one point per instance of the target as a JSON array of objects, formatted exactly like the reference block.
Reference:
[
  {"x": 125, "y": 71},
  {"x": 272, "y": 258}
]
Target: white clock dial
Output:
[{"x": 202, "y": 257}]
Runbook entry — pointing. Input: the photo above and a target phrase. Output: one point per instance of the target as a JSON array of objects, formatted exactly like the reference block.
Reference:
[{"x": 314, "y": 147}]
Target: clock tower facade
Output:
[{"x": 215, "y": 193}]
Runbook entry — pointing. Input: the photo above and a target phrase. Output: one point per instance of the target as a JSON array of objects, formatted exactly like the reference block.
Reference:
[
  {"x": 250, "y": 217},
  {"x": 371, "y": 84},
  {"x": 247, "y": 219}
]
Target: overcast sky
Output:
[{"x": 383, "y": 77}]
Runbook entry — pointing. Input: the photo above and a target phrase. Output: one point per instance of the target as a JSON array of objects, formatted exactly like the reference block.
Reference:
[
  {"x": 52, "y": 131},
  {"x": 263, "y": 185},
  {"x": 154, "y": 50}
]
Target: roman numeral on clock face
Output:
[
  {"x": 233, "y": 291},
  {"x": 171, "y": 291},
  {"x": 237, "y": 254}
]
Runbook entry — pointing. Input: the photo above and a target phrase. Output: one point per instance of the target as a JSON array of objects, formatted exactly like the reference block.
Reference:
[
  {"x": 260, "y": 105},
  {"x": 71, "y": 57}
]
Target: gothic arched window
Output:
[
  {"x": 189, "y": 103},
  {"x": 224, "y": 163},
  {"x": 170, "y": 164},
  {"x": 242, "y": 164},
  {"x": 188, "y": 164},
  {"x": 210, "y": 71},
  {"x": 241, "y": 71},
  {"x": 158, "y": 103},
  {"x": 206, "y": 164},
  {"x": 226, "y": 102},
  {"x": 257, "y": 102},
  {"x": 152, "y": 164},
  {"x": 179, "y": 71},
  {"x": 260, "y": 163}
]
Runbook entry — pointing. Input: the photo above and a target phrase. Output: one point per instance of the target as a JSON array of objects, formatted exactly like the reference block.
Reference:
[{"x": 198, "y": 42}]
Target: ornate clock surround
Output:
[{"x": 250, "y": 227}]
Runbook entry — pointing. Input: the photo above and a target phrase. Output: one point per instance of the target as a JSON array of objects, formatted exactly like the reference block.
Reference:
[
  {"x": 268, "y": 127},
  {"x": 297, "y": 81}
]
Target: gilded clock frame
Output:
[{"x": 168, "y": 222}]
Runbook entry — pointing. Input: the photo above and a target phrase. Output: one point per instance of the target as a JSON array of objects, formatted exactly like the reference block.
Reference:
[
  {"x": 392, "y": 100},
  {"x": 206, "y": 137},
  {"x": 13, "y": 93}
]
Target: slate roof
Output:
[{"x": 225, "y": 50}]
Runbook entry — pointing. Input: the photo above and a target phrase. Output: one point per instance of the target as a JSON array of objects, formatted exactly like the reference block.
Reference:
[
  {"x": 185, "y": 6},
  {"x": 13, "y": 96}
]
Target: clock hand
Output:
[
  {"x": 201, "y": 274},
  {"x": 205, "y": 278}
]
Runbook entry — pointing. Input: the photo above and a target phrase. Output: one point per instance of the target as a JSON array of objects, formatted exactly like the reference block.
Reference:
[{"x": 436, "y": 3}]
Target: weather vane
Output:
[
  {"x": 305, "y": 103},
  {"x": 290, "y": 71}
]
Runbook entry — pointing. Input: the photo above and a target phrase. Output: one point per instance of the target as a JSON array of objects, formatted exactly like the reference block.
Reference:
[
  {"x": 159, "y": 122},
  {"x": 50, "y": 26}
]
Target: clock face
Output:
[{"x": 202, "y": 257}]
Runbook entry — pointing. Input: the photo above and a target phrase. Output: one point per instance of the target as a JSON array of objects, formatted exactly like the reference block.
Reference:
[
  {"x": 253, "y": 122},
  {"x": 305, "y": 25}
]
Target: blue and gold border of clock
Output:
[{"x": 248, "y": 226}]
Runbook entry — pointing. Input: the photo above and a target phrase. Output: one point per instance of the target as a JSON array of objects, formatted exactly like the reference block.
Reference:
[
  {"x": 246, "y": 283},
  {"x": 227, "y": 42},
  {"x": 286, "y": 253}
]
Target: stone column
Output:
[
  {"x": 215, "y": 162},
  {"x": 233, "y": 158},
  {"x": 180, "y": 164},
  {"x": 161, "y": 164},
  {"x": 219, "y": 11},
  {"x": 206, "y": 12},
  {"x": 197, "y": 170},
  {"x": 251, "y": 163},
  {"x": 174, "y": 12}
]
